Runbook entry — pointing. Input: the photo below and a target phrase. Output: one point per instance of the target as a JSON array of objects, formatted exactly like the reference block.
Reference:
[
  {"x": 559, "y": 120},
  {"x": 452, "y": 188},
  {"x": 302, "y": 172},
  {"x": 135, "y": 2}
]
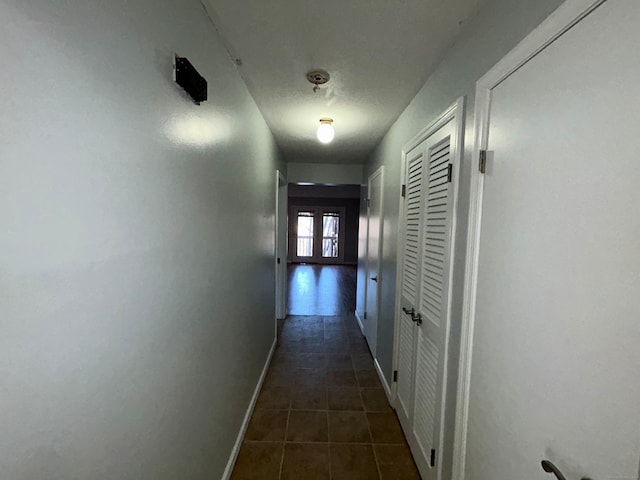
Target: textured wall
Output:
[{"x": 136, "y": 265}]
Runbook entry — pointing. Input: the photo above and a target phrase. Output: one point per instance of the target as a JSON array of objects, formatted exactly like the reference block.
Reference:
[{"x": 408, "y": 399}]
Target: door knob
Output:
[
  {"x": 411, "y": 312},
  {"x": 417, "y": 318},
  {"x": 375, "y": 279}
]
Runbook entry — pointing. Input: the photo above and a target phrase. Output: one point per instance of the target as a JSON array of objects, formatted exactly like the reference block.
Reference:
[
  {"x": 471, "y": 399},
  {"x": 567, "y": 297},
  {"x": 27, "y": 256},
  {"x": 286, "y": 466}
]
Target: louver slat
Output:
[
  {"x": 435, "y": 228},
  {"x": 412, "y": 229},
  {"x": 427, "y": 370}
]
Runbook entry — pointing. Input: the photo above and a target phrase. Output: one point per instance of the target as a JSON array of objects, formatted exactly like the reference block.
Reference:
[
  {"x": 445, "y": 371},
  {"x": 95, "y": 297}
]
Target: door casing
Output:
[
  {"x": 374, "y": 252},
  {"x": 281, "y": 245}
]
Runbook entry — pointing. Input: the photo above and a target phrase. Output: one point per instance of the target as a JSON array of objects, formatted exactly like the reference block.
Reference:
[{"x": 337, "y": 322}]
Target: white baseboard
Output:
[
  {"x": 383, "y": 380},
  {"x": 360, "y": 323},
  {"x": 245, "y": 423}
]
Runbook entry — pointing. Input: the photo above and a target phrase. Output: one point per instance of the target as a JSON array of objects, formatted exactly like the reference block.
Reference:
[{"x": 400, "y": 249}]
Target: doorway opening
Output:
[{"x": 322, "y": 249}]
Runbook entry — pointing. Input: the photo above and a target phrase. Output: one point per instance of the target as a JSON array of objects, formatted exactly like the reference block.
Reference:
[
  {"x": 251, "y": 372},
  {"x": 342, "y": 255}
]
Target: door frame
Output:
[
  {"x": 280, "y": 262},
  {"x": 455, "y": 112},
  {"x": 378, "y": 173},
  {"x": 559, "y": 22}
]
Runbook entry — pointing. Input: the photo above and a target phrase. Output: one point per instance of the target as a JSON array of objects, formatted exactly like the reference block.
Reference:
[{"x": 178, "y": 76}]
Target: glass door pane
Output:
[
  {"x": 304, "y": 247},
  {"x": 330, "y": 231}
]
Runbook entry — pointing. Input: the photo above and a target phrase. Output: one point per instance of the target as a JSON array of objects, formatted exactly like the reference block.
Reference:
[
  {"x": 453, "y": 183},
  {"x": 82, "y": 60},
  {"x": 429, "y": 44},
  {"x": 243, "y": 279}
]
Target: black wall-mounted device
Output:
[{"x": 188, "y": 78}]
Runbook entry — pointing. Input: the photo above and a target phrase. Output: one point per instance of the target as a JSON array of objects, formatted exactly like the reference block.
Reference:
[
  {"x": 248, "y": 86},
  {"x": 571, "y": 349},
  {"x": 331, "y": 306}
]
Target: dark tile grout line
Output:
[
  {"x": 309, "y": 442},
  {"x": 286, "y": 431},
  {"x": 329, "y": 446},
  {"x": 375, "y": 457}
]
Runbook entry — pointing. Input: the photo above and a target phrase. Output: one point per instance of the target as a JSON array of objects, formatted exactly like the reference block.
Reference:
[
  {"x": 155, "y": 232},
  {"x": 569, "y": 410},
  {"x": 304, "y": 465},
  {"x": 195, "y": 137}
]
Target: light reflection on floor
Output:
[{"x": 321, "y": 289}]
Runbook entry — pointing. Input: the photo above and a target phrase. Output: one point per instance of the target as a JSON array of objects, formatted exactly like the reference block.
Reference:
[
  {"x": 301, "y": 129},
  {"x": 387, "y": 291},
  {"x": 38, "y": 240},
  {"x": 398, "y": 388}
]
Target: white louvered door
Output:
[
  {"x": 433, "y": 308},
  {"x": 424, "y": 320},
  {"x": 410, "y": 284}
]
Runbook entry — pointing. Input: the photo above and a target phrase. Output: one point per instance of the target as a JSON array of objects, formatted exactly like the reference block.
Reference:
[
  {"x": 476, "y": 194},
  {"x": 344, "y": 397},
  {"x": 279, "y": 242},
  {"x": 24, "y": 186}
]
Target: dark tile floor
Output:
[{"x": 322, "y": 412}]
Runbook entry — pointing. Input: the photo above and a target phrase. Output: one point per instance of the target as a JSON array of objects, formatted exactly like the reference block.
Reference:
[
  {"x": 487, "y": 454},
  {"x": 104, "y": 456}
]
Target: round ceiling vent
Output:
[{"x": 318, "y": 77}]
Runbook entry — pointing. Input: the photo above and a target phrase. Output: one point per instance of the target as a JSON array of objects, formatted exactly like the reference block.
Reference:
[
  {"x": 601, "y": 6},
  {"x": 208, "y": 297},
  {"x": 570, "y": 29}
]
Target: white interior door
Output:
[
  {"x": 424, "y": 321},
  {"x": 432, "y": 326},
  {"x": 281, "y": 245},
  {"x": 555, "y": 370},
  {"x": 374, "y": 244}
]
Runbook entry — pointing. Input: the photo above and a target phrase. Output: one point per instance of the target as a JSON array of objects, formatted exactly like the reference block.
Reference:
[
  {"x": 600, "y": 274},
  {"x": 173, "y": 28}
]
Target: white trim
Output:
[
  {"x": 245, "y": 423},
  {"x": 455, "y": 111},
  {"x": 360, "y": 324},
  {"x": 457, "y": 156},
  {"x": 383, "y": 380},
  {"x": 379, "y": 172},
  {"x": 564, "y": 18},
  {"x": 444, "y": 118},
  {"x": 281, "y": 307}
]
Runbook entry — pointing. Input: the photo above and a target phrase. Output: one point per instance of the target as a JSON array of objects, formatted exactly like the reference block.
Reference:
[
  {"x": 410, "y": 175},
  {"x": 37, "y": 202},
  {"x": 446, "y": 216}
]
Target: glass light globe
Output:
[{"x": 326, "y": 132}]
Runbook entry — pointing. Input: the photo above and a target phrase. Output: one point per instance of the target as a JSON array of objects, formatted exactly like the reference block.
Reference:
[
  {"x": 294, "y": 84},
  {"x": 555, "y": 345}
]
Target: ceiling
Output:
[{"x": 379, "y": 53}]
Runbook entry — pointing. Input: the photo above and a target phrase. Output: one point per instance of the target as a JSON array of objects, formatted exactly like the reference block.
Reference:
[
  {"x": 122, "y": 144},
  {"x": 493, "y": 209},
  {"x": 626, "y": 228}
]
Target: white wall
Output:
[
  {"x": 497, "y": 28},
  {"x": 136, "y": 267},
  {"x": 331, "y": 174}
]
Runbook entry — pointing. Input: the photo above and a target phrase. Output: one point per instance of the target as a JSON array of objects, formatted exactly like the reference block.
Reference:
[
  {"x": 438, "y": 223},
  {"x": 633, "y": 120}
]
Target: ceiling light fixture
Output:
[
  {"x": 325, "y": 130},
  {"x": 318, "y": 77}
]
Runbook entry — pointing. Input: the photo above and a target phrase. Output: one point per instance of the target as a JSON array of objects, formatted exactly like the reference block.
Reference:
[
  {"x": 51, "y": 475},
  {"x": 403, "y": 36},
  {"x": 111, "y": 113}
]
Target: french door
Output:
[{"x": 316, "y": 234}]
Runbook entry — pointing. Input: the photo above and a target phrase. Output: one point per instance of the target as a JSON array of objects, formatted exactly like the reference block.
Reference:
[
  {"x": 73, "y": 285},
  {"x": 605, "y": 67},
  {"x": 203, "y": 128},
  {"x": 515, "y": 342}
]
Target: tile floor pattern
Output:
[{"x": 322, "y": 413}]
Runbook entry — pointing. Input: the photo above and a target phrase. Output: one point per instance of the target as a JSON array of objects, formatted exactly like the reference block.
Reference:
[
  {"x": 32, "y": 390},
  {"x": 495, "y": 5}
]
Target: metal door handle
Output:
[
  {"x": 549, "y": 467},
  {"x": 375, "y": 279},
  {"x": 415, "y": 317}
]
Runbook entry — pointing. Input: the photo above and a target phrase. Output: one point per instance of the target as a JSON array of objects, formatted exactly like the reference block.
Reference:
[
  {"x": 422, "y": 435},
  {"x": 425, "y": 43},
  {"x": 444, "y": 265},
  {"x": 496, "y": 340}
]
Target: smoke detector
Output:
[{"x": 318, "y": 77}]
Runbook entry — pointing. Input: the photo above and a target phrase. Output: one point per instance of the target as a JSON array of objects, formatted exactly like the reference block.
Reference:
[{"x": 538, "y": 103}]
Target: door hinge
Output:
[
  {"x": 395, "y": 375},
  {"x": 404, "y": 190},
  {"x": 278, "y": 260},
  {"x": 432, "y": 460},
  {"x": 365, "y": 315},
  {"x": 449, "y": 173},
  {"x": 483, "y": 161},
  {"x": 368, "y": 202}
]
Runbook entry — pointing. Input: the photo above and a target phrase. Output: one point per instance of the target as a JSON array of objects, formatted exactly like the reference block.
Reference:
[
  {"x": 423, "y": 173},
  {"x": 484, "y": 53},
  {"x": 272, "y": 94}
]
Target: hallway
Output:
[{"x": 322, "y": 412}]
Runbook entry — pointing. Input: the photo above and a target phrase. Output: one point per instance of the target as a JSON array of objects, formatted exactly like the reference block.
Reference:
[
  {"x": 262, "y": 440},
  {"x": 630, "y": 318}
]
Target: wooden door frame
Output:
[
  {"x": 559, "y": 22},
  {"x": 378, "y": 172}
]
